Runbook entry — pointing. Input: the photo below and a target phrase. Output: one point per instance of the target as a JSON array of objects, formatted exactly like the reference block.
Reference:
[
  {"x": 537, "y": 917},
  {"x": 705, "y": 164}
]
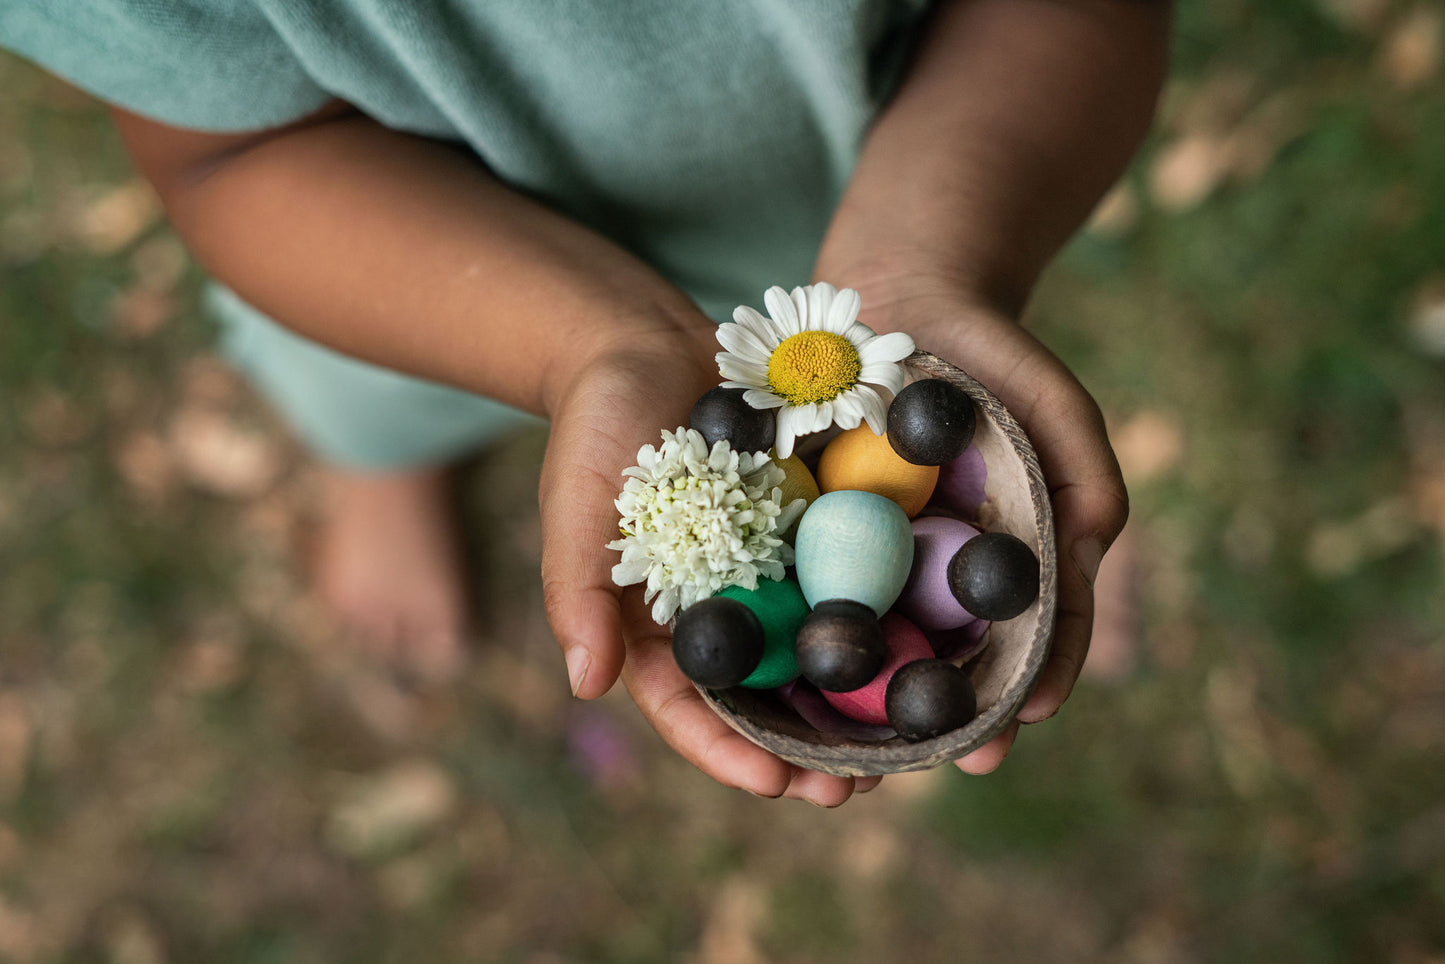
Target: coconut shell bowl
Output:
[{"x": 1003, "y": 673}]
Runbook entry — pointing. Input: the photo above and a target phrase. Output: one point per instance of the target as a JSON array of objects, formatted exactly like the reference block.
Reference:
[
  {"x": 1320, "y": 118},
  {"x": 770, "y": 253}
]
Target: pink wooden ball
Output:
[{"x": 906, "y": 643}]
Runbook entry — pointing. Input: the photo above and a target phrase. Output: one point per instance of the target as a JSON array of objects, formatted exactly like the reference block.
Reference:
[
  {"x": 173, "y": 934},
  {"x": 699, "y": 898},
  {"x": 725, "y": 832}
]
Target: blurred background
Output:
[{"x": 193, "y": 768}]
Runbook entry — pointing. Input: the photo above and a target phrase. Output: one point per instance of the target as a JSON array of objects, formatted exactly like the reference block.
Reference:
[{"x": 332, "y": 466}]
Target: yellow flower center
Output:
[{"x": 813, "y": 366}]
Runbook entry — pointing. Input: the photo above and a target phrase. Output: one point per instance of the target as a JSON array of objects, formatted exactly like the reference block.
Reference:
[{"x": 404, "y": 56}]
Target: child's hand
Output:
[
  {"x": 617, "y": 402},
  {"x": 1067, "y": 430}
]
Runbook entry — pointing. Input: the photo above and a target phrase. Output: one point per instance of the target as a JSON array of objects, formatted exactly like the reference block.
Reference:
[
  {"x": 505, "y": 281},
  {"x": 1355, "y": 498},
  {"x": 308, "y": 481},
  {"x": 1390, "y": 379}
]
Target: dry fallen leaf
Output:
[
  {"x": 1364, "y": 16},
  {"x": 1116, "y": 214},
  {"x": 146, "y": 465},
  {"x": 729, "y": 933},
  {"x": 1410, "y": 55},
  {"x": 216, "y": 454},
  {"x": 1427, "y": 318},
  {"x": 384, "y": 810},
  {"x": 1336, "y": 549},
  {"x": 1186, "y": 171},
  {"x": 113, "y": 220},
  {"x": 1213, "y": 104},
  {"x": 1148, "y": 445},
  {"x": 160, "y": 263},
  {"x": 140, "y": 312}
]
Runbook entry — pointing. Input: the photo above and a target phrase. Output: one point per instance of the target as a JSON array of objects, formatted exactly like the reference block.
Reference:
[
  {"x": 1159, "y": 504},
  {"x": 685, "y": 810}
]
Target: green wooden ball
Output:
[{"x": 781, "y": 608}]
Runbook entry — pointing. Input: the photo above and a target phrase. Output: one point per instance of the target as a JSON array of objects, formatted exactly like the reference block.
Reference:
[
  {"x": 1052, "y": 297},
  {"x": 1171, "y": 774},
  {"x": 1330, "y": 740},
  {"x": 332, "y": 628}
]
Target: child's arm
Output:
[
  {"x": 407, "y": 253},
  {"x": 1016, "y": 116}
]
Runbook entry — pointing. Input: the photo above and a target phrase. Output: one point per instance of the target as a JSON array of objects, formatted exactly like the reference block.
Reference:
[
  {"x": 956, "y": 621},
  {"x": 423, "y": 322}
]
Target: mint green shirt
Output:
[{"x": 710, "y": 137}]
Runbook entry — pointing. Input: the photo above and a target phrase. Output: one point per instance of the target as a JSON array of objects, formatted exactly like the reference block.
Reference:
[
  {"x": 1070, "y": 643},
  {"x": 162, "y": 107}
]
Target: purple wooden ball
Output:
[
  {"x": 926, "y": 598},
  {"x": 960, "y": 486}
]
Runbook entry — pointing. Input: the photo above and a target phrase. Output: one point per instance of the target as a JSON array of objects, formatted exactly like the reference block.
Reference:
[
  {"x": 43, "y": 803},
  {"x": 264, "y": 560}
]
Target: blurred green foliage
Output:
[{"x": 193, "y": 768}]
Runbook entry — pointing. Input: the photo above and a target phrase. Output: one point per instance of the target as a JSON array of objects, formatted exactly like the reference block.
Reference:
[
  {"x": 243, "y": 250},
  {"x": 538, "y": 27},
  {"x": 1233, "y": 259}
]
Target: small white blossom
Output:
[{"x": 696, "y": 521}]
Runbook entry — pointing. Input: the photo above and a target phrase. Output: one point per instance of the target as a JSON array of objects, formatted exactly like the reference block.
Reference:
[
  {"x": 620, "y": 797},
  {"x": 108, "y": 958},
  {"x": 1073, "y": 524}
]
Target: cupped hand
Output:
[
  {"x": 1067, "y": 430},
  {"x": 615, "y": 403}
]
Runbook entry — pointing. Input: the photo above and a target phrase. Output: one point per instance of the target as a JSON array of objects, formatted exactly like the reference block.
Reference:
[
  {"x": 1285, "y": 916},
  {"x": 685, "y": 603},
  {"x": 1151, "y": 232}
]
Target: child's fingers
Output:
[
  {"x": 1087, "y": 490},
  {"x": 818, "y": 788},
  {"x": 578, "y": 520},
  {"x": 987, "y": 758},
  {"x": 675, "y": 709},
  {"x": 1090, "y": 507}
]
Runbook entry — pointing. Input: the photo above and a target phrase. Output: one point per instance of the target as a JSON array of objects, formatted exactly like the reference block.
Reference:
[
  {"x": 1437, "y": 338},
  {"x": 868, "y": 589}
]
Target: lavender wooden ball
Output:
[
  {"x": 722, "y": 413},
  {"x": 926, "y": 598},
  {"x": 931, "y": 422}
]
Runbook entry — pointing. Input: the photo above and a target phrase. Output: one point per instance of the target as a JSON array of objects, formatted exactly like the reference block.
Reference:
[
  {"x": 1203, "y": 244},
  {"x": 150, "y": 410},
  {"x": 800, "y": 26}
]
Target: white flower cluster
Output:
[{"x": 695, "y": 521}]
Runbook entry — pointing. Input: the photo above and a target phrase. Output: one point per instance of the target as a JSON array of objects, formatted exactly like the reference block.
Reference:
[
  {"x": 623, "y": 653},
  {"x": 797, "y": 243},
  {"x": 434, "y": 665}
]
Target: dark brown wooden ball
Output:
[
  {"x": 927, "y": 698},
  {"x": 840, "y": 646},
  {"x": 931, "y": 422},
  {"x": 722, "y": 413},
  {"x": 994, "y": 576},
  {"x": 717, "y": 642}
]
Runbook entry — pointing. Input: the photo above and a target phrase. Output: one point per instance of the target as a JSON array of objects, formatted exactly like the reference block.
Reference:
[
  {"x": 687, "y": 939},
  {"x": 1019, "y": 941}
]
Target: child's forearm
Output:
[
  {"x": 404, "y": 252},
  {"x": 1014, "y": 119}
]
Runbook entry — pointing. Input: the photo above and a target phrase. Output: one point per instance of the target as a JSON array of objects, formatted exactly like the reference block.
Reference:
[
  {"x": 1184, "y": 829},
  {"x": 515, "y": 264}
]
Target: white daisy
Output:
[
  {"x": 695, "y": 521},
  {"x": 812, "y": 360}
]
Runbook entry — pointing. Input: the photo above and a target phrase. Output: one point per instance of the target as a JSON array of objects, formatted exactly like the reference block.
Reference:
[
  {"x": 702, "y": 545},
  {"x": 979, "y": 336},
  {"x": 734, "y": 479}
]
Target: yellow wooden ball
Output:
[{"x": 858, "y": 459}]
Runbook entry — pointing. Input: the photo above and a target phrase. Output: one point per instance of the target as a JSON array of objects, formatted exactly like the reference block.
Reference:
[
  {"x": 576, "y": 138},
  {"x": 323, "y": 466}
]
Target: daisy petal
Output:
[
  {"x": 730, "y": 367},
  {"x": 844, "y": 311},
  {"x": 806, "y": 320},
  {"x": 782, "y": 310},
  {"x": 750, "y": 319},
  {"x": 783, "y": 439},
  {"x": 888, "y": 374},
  {"x": 824, "y": 418},
  {"x": 847, "y": 410},
  {"x": 820, "y": 301},
  {"x": 894, "y": 346},
  {"x": 761, "y": 399},
  {"x": 874, "y": 411},
  {"x": 743, "y": 342}
]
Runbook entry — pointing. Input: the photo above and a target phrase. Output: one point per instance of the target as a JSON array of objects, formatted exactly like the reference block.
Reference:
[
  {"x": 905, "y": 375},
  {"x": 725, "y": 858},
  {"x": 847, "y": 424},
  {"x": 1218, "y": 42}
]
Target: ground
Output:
[{"x": 194, "y": 768}]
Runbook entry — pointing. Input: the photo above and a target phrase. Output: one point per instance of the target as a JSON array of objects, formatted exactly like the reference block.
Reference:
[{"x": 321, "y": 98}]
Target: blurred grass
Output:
[{"x": 192, "y": 766}]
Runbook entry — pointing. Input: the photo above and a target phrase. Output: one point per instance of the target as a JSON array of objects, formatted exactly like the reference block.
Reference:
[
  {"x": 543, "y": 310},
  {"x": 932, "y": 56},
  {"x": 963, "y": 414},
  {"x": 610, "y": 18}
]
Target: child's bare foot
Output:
[{"x": 388, "y": 561}]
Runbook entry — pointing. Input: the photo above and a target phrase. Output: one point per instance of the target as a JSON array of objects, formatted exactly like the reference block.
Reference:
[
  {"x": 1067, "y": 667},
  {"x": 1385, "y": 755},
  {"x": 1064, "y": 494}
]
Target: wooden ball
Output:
[
  {"x": 722, "y": 413},
  {"x": 840, "y": 646},
  {"x": 717, "y": 642},
  {"x": 926, "y": 598},
  {"x": 994, "y": 576},
  {"x": 927, "y": 698},
  {"x": 858, "y": 459},
  {"x": 930, "y": 422},
  {"x": 906, "y": 643},
  {"x": 781, "y": 609},
  {"x": 853, "y": 545}
]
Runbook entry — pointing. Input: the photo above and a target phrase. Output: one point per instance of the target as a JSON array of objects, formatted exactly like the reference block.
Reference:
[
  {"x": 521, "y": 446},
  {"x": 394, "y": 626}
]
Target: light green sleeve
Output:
[{"x": 215, "y": 65}]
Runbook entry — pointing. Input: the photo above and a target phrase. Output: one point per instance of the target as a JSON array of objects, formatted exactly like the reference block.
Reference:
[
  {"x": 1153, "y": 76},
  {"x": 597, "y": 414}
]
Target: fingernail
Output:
[
  {"x": 579, "y": 661},
  {"x": 1087, "y": 553}
]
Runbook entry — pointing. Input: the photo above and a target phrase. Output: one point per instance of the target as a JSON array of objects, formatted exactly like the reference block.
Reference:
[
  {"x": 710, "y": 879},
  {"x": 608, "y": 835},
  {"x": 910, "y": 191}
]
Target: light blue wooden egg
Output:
[{"x": 853, "y": 545}]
